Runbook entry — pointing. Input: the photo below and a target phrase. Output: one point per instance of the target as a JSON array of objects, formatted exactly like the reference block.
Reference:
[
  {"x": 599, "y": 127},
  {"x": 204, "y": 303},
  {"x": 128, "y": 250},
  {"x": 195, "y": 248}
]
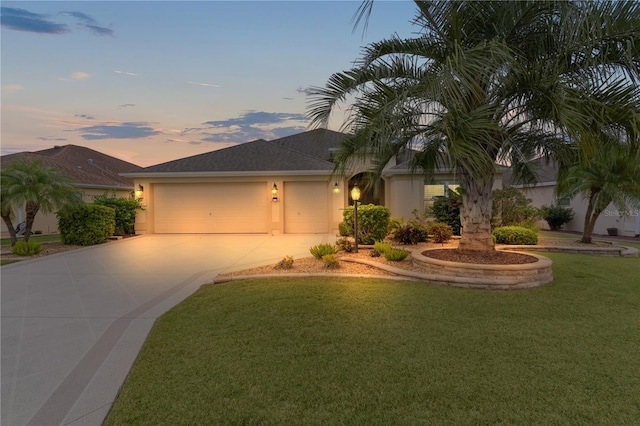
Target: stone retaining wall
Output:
[
  {"x": 597, "y": 251},
  {"x": 498, "y": 277}
]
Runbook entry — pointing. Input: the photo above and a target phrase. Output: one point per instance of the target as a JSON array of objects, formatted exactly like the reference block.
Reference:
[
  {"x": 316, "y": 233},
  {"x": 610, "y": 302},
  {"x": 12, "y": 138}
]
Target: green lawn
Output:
[
  {"x": 38, "y": 238},
  {"x": 373, "y": 351}
]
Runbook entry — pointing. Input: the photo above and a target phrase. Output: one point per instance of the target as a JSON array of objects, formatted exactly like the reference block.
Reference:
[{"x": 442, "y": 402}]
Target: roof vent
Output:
[
  {"x": 90, "y": 160},
  {"x": 332, "y": 153},
  {"x": 56, "y": 147}
]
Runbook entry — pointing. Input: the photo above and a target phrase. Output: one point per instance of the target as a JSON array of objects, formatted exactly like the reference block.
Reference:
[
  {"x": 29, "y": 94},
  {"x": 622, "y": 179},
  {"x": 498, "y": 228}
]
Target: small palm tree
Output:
[
  {"x": 37, "y": 187},
  {"x": 610, "y": 176},
  {"x": 486, "y": 82}
]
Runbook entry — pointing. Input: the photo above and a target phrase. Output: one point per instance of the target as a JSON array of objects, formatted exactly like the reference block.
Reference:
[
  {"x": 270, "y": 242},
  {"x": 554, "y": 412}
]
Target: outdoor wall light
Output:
[
  {"x": 336, "y": 188},
  {"x": 140, "y": 188},
  {"x": 355, "y": 196},
  {"x": 274, "y": 192}
]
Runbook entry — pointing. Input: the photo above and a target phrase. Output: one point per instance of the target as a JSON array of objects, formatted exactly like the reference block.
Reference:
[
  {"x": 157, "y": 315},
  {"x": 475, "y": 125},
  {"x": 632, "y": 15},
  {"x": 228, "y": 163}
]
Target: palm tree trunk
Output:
[
  {"x": 31, "y": 210},
  {"x": 590, "y": 218},
  {"x": 475, "y": 214},
  {"x": 6, "y": 216}
]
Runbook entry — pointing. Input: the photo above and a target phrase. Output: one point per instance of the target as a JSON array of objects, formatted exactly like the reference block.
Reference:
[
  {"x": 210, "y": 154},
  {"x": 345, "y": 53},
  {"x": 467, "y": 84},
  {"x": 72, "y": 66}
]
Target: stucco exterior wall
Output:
[{"x": 627, "y": 224}]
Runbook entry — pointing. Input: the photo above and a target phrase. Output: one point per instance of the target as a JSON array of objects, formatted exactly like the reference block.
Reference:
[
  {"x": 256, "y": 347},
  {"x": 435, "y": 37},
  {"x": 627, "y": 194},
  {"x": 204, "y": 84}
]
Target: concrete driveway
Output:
[{"x": 73, "y": 323}]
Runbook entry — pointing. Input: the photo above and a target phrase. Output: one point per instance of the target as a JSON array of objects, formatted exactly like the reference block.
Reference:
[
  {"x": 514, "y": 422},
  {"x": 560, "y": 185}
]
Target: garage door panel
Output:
[
  {"x": 211, "y": 208},
  {"x": 305, "y": 208}
]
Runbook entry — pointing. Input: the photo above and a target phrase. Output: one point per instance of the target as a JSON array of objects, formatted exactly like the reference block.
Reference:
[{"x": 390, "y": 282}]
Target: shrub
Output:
[
  {"x": 125, "y": 212},
  {"x": 331, "y": 261},
  {"x": 345, "y": 245},
  {"x": 322, "y": 249},
  {"x": 30, "y": 248},
  {"x": 373, "y": 223},
  {"x": 557, "y": 216},
  {"x": 344, "y": 230},
  {"x": 286, "y": 263},
  {"x": 515, "y": 235},
  {"x": 511, "y": 207},
  {"x": 447, "y": 210},
  {"x": 440, "y": 232},
  {"x": 394, "y": 224},
  {"x": 382, "y": 247},
  {"x": 395, "y": 255},
  {"x": 86, "y": 224},
  {"x": 411, "y": 233},
  {"x": 374, "y": 253}
]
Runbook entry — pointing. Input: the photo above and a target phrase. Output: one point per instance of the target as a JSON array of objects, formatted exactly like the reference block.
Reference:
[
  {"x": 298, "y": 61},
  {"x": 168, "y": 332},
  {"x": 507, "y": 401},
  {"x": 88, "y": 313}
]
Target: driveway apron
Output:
[{"x": 73, "y": 323}]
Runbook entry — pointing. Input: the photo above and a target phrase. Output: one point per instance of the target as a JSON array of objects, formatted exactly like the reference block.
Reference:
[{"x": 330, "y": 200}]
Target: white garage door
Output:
[
  {"x": 305, "y": 208},
  {"x": 216, "y": 208}
]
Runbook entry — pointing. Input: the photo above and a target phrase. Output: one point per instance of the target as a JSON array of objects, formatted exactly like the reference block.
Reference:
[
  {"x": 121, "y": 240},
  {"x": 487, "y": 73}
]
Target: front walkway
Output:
[{"x": 73, "y": 323}]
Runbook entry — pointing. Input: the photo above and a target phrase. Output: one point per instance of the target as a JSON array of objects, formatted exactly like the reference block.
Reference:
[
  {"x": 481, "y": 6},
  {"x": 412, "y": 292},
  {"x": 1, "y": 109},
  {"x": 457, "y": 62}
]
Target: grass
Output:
[
  {"x": 373, "y": 351},
  {"x": 38, "y": 238},
  {"x": 6, "y": 242}
]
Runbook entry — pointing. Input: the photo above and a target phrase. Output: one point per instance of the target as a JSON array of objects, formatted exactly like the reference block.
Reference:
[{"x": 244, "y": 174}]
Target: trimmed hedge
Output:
[
  {"x": 515, "y": 235},
  {"x": 86, "y": 224},
  {"x": 373, "y": 223},
  {"x": 125, "y": 212}
]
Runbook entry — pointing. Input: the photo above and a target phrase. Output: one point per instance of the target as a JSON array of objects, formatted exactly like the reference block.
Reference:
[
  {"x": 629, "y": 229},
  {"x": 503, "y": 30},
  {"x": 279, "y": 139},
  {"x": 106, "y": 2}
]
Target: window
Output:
[
  {"x": 439, "y": 189},
  {"x": 564, "y": 202}
]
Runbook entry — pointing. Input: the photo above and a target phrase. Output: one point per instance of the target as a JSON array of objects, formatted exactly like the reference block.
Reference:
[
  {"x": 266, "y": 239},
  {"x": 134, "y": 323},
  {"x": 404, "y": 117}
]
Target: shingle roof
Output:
[
  {"x": 546, "y": 171},
  {"x": 308, "y": 151},
  {"x": 86, "y": 166}
]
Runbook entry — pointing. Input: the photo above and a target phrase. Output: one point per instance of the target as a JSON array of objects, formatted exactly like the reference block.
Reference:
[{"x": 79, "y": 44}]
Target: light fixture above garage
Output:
[
  {"x": 336, "y": 188},
  {"x": 274, "y": 192}
]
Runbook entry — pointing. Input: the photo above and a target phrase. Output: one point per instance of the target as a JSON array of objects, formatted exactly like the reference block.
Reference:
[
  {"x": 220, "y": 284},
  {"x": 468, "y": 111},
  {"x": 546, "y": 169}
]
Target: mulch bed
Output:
[{"x": 495, "y": 258}]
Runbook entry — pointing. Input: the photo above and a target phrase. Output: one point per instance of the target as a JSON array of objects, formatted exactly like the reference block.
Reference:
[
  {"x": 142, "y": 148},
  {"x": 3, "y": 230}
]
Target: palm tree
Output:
[
  {"x": 35, "y": 186},
  {"x": 611, "y": 176},
  {"x": 486, "y": 82}
]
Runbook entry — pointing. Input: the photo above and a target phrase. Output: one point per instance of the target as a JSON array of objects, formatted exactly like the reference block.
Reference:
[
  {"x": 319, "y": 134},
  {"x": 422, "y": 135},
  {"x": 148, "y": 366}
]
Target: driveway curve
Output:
[{"x": 73, "y": 323}]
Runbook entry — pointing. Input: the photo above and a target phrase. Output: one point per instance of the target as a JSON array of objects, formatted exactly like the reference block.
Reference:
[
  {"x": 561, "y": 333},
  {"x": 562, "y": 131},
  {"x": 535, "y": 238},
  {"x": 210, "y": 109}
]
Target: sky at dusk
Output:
[{"x": 150, "y": 82}]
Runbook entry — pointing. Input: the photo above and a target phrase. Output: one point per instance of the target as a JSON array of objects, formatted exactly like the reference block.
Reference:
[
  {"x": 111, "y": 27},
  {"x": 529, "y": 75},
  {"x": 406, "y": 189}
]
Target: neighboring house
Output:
[
  {"x": 94, "y": 173},
  {"x": 279, "y": 186},
  {"x": 543, "y": 193}
]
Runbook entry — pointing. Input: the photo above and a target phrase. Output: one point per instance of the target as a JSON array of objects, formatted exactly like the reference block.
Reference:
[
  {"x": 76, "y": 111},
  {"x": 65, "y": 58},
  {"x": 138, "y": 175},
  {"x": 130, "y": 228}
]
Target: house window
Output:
[
  {"x": 439, "y": 189},
  {"x": 564, "y": 202}
]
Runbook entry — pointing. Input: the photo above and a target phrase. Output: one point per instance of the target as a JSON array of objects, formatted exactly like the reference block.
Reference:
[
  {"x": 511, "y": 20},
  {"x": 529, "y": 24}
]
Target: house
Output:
[
  {"x": 94, "y": 173},
  {"x": 279, "y": 186},
  {"x": 543, "y": 193}
]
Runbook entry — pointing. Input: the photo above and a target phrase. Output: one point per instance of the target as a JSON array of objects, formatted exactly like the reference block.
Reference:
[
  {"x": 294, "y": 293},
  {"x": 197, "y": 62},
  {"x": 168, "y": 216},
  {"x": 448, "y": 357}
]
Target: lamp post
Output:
[{"x": 355, "y": 196}]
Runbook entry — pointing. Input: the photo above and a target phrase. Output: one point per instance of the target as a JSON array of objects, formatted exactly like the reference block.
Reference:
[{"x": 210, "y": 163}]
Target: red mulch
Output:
[{"x": 495, "y": 258}]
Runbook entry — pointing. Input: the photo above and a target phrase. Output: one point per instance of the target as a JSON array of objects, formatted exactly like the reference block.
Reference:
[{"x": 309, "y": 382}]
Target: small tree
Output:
[
  {"x": 447, "y": 209},
  {"x": 610, "y": 176},
  {"x": 37, "y": 187},
  {"x": 557, "y": 216},
  {"x": 511, "y": 207}
]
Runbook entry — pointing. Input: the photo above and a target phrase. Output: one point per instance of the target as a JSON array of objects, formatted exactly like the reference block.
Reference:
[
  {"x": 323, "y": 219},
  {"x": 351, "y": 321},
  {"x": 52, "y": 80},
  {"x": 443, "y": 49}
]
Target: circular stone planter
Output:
[{"x": 483, "y": 276}]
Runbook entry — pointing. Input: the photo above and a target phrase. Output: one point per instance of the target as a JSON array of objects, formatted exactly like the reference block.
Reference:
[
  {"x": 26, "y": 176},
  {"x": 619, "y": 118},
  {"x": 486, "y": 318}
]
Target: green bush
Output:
[
  {"x": 395, "y": 255},
  {"x": 515, "y": 235},
  {"x": 86, "y": 224},
  {"x": 373, "y": 223},
  {"x": 286, "y": 263},
  {"x": 30, "y": 248},
  {"x": 331, "y": 261},
  {"x": 410, "y": 233},
  {"x": 125, "y": 212},
  {"x": 447, "y": 210},
  {"x": 344, "y": 230},
  {"x": 510, "y": 207},
  {"x": 345, "y": 245},
  {"x": 557, "y": 216},
  {"x": 322, "y": 249},
  {"x": 382, "y": 247},
  {"x": 374, "y": 253},
  {"x": 440, "y": 232}
]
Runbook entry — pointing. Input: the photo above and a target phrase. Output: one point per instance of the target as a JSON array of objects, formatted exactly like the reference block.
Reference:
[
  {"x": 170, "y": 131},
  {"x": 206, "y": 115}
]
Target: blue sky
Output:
[{"x": 150, "y": 82}]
